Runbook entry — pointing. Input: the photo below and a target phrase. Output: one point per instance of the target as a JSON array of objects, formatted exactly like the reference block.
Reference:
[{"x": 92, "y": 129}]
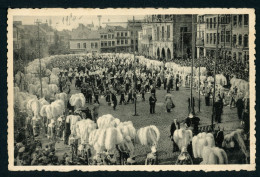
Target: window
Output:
[
  {"x": 125, "y": 33},
  {"x": 105, "y": 44},
  {"x": 102, "y": 44},
  {"x": 168, "y": 31},
  {"x": 122, "y": 41},
  {"x": 207, "y": 38},
  {"x": 183, "y": 29},
  {"x": 84, "y": 45},
  {"x": 246, "y": 40},
  {"x": 228, "y": 19},
  {"x": 218, "y": 40},
  {"x": 102, "y": 36},
  {"x": 240, "y": 39},
  {"x": 207, "y": 23},
  {"x": 158, "y": 33},
  {"x": 78, "y": 45},
  {"x": 239, "y": 56},
  {"x": 162, "y": 32},
  {"x": 122, "y": 34},
  {"x": 126, "y": 41},
  {"x": 215, "y": 22},
  {"x": 240, "y": 20},
  {"x": 235, "y": 20},
  {"x": 132, "y": 41},
  {"x": 113, "y": 43},
  {"x": 210, "y": 38},
  {"x": 92, "y": 45},
  {"x": 118, "y": 42},
  {"x": 214, "y": 38},
  {"x": 118, "y": 34},
  {"x": 109, "y": 43},
  {"x": 210, "y": 23},
  {"x": 132, "y": 33},
  {"x": 112, "y": 36},
  {"x": 109, "y": 36},
  {"x": 246, "y": 19},
  {"x": 222, "y": 36},
  {"x": 234, "y": 40},
  {"x": 96, "y": 45},
  {"x": 228, "y": 36},
  {"x": 105, "y": 36}
]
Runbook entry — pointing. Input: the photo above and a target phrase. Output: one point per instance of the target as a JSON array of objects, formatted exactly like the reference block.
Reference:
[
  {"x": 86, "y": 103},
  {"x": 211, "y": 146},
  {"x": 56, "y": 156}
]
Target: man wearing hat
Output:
[
  {"x": 114, "y": 100},
  {"x": 175, "y": 126},
  {"x": 218, "y": 109},
  {"x": 152, "y": 102},
  {"x": 192, "y": 123}
]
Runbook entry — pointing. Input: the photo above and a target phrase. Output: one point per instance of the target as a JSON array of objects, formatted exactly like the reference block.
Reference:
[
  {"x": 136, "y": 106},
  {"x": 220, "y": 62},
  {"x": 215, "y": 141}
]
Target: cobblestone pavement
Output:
[{"x": 162, "y": 120}]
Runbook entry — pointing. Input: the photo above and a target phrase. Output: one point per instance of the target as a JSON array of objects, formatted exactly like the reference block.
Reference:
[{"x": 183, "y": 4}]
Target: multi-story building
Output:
[
  {"x": 240, "y": 34},
  {"x": 145, "y": 45},
  {"x": 134, "y": 26},
  {"x": 171, "y": 36},
  {"x": 231, "y": 31},
  {"x": 108, "y": 40},
  {"x": 123, "y": 41},
  {"x": 201, "y": 36},
  {"x": 85, "y": 42}
]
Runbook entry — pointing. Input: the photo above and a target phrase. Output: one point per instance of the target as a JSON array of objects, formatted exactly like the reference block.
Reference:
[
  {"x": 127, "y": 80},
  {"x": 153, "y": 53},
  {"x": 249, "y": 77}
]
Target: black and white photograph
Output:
[{"x": 131, "y": 89}]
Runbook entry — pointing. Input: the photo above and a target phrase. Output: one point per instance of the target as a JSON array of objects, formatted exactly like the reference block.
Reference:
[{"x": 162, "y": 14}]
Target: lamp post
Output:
[
  {"x": 39, "y": 54},
  {"x": 215, "y": 62},
  {"x": 135, "y": 114}
]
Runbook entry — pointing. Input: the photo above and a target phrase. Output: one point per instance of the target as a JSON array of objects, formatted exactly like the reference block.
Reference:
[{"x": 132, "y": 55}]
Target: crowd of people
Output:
[
  {"x": 112, "y": 77},
  {"x": 227, "y": 67}
]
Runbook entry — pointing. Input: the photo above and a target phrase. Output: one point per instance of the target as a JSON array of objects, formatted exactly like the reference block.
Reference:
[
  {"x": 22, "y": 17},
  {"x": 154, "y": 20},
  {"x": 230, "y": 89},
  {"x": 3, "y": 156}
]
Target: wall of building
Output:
[{"x": 85, "y": 46}]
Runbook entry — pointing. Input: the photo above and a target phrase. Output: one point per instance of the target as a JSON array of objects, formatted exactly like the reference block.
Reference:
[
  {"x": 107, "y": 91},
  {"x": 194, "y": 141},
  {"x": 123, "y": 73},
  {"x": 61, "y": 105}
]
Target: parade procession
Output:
[{"x": 129, "y": 108}]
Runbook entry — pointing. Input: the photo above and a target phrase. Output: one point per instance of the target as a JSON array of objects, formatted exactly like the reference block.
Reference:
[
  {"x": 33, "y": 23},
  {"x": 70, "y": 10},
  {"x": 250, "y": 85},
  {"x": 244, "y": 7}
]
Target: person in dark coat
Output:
[
  {"x": 175, "y": 126},
  {"x": 143, "y": 92},
  {"x": 152, "y": 102},
  {"x": 88, "y": 113},
  {"x": 96, "y": 94},
  {"x": 218, "y": 108},
  {"x": 219, "y": 138},
  {"x": 240, "y": 106},
  {"x": 67, "y": 129},
  {"x": 114, "y": 100},
  {"x": 122, "y": 95},
  {"x": 130, "y": 96},
  {"x": 165, "y": 83},
  {"x": 207, "y": 96},
  {"x": 192, "y": 122}
]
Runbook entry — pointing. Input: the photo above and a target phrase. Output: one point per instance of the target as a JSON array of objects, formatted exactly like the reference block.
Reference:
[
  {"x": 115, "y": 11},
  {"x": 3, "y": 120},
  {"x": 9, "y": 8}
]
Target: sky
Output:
[{"x": 60, "y": 22}]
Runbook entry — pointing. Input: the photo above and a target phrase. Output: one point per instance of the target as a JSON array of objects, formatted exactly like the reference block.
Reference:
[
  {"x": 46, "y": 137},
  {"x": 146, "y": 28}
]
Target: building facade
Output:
[
  {"x": 88, "y": 42},
  {"x": 145, "y": 45},
  {"x": 171, "y": 36},
  {"x": 232, "y": 32},
  {"x": 134, "y": 26},
  {"x": 123, "y": 40},
  {"x": 108, "y": 41}
]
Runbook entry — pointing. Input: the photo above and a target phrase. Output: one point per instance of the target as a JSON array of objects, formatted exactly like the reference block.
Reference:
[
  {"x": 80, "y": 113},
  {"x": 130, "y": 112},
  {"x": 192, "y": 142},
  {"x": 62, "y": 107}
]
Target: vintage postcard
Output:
[{"x": 131, "y": 89}]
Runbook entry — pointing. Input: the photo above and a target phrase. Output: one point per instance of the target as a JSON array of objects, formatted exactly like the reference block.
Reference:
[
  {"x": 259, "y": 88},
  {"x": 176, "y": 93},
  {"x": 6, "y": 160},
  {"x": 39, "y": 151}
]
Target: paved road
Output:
[{"x": 161, "y": 119}]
